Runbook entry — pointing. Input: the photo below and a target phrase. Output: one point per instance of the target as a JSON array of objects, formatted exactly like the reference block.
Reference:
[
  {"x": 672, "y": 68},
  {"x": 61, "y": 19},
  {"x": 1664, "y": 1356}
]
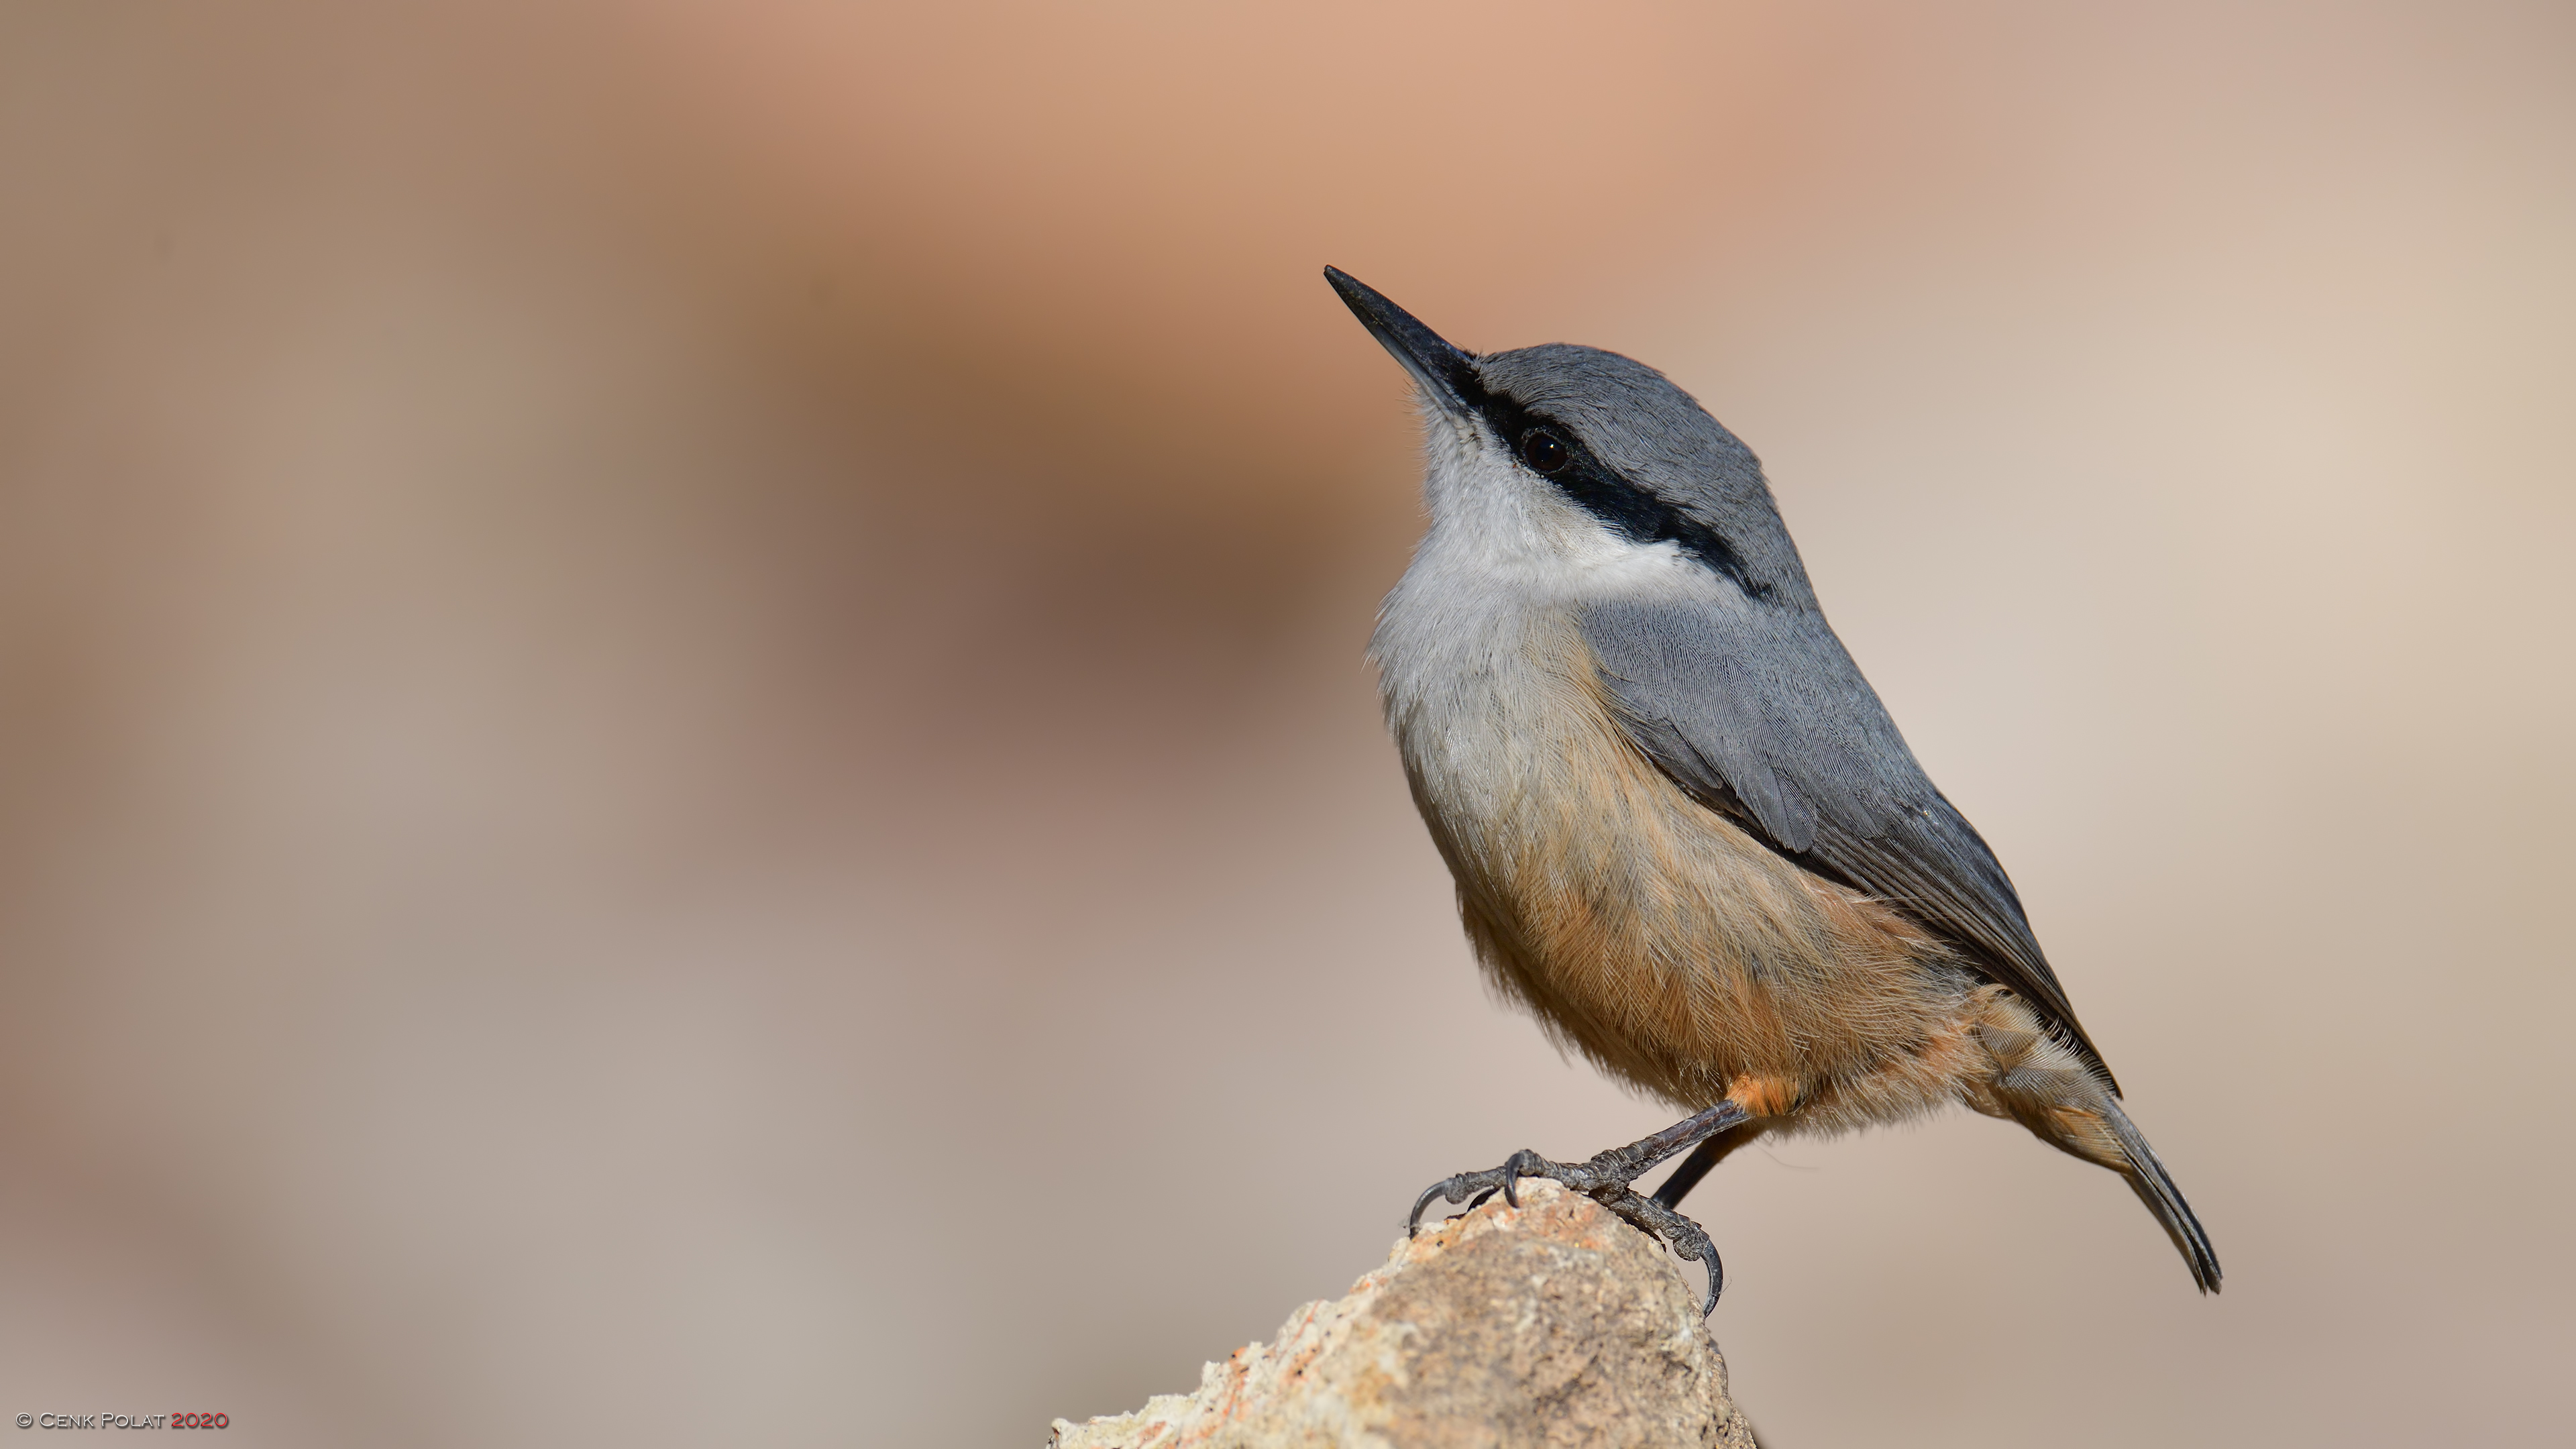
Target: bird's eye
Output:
[{"x": 1543, "y": 451}]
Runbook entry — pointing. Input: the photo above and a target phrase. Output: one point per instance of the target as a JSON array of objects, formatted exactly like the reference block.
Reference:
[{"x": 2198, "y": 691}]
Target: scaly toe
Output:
[
  {"x": 1687, "y": 1239},
  {"x": 1481, "y": 1185}
]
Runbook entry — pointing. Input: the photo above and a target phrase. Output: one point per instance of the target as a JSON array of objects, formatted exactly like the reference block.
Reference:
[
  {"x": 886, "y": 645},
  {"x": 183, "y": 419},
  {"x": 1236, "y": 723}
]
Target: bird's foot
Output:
[{"x": 1606, "y": 1180}]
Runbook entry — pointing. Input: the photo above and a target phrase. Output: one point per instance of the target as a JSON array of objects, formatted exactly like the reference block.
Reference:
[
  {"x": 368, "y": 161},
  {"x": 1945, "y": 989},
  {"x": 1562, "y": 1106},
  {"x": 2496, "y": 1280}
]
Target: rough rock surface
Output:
[{"x": 1551, "y": 1324}]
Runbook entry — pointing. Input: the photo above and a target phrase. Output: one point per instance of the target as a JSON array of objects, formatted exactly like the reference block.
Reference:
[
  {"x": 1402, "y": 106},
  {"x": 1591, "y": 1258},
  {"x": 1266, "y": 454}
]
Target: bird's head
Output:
[{"x": 1583, "y": 469}]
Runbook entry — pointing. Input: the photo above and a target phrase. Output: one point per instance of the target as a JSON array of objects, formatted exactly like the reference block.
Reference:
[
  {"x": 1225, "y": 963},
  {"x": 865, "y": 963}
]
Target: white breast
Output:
[{"x": 1485, "y": 678}]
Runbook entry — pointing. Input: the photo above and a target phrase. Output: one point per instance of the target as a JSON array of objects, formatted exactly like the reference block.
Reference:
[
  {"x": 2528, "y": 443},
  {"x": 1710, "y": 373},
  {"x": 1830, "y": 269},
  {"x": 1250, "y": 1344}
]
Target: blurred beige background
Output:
[{"x": 684, "y": 759}]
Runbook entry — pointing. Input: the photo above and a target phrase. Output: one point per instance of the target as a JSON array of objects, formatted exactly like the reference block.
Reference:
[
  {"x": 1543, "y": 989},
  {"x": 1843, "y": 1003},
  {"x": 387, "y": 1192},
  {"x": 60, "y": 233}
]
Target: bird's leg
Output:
[
  {"x": 1610, "y": 1172},
  {"x": 1696, "y": 1166},
  {"x": 1605, "y": 1179}
]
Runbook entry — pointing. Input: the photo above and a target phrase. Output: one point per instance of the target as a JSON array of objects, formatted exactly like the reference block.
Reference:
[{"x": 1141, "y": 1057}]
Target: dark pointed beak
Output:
[{"x": 1448, "y": 376}]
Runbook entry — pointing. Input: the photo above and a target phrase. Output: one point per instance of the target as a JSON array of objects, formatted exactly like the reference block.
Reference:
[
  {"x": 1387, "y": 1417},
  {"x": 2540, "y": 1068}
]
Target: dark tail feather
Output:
[{"x": 2155, "y": 1187}]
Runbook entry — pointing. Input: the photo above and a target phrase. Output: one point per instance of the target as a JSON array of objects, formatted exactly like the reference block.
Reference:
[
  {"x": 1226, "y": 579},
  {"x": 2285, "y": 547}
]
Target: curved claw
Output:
[
  {"x": 1440, "y": 1189},
  {"x": 1523, "y": 1163}
]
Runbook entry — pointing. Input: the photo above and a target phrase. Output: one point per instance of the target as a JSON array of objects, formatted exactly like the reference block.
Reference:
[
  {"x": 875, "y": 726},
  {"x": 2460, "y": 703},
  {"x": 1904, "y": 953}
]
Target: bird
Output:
[{"x": 1685, "y": 833}]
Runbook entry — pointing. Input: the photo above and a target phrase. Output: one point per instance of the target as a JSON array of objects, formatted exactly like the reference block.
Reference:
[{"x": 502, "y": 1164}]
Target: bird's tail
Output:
[{"x": 2155, "y": 1187}]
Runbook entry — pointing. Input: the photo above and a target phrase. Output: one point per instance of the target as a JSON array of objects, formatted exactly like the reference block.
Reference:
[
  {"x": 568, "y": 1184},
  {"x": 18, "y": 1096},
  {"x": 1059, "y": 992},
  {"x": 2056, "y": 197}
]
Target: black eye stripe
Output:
[{"x": 1638, "y": 513}]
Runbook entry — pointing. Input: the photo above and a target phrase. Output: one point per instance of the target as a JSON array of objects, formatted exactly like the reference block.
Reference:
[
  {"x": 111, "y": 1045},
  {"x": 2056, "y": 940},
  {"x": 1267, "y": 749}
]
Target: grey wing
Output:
[{"x": 1760, "y": 713}]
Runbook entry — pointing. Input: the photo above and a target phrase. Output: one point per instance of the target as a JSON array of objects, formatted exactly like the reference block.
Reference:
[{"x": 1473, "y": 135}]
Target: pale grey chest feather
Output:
[{"x": 1483, "y": 709}]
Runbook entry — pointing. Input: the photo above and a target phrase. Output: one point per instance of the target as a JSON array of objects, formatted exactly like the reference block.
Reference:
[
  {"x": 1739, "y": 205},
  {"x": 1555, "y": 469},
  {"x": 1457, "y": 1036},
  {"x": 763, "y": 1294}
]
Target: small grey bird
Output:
[{"x": 1684, "y": 830}]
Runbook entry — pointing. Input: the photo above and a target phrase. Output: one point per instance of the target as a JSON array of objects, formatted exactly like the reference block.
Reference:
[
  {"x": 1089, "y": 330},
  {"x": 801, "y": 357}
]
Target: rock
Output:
[{"x": 1551, "y": 1324}]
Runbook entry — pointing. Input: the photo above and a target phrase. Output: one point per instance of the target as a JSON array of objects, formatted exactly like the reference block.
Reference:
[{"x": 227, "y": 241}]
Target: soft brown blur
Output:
[{"x": 684, "y": 758}]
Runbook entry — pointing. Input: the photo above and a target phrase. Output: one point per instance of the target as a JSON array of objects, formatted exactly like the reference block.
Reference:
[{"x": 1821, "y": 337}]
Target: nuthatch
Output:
[{"x": 1684, "y": 830}]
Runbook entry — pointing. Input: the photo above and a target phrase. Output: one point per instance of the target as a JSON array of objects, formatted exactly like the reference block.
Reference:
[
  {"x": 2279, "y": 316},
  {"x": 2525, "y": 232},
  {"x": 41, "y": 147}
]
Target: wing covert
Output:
[{"x": 1808, "y": 761}]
